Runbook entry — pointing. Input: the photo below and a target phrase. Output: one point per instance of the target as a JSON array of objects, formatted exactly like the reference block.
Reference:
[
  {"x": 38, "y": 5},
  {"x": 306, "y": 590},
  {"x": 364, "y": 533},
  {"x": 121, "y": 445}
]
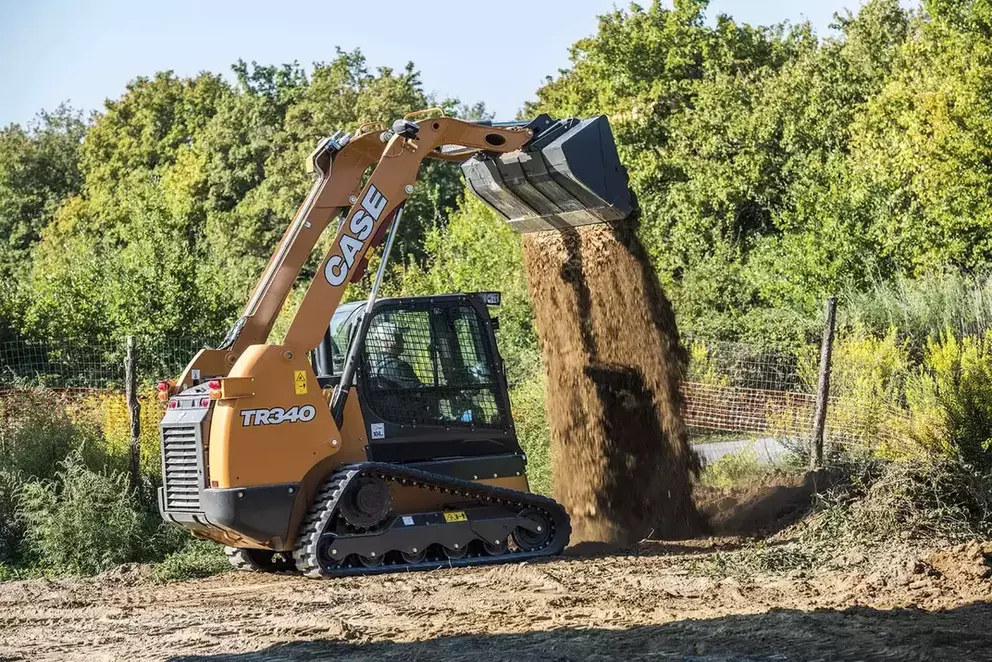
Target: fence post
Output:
[
  {"x": 823, "y": 385},
  {"x": 134, "y": 412}
]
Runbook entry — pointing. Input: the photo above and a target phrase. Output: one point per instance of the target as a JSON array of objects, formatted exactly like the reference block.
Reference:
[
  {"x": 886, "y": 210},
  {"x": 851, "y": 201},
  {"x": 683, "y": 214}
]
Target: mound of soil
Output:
[
  {"x": 966, "y": 562},
  {"x": 763, "y": 506},
  {"x": 622, "y": 463}
]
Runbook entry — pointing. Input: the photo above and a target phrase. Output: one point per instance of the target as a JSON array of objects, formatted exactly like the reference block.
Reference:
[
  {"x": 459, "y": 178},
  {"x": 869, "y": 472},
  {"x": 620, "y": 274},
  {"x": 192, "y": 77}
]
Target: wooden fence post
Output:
[
  {"x": 823, "y": 385},
  {"x": 134, "y": 412}
]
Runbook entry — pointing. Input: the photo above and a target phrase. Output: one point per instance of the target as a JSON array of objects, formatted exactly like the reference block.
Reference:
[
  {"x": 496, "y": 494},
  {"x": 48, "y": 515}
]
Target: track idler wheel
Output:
[
  {"x": 531, "y": 541},
  {"x": 414, "y": 556},
  {"x": 371, "y": 561},
  {"x": 455, "y": 554},
  {"x": 496, "y": 547},
  {"x": 326, "y": 551},
  {"x": 366, "y": 503}
]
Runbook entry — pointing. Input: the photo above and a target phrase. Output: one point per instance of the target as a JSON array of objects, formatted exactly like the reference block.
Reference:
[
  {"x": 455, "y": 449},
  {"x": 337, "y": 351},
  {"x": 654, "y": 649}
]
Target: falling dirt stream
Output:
[{"x": 622, "y": 463}]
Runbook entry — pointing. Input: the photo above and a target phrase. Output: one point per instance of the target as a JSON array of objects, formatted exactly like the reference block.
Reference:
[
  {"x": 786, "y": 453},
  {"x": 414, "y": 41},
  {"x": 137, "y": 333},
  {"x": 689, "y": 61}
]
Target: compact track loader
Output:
[{"x": 378, "y": 435}]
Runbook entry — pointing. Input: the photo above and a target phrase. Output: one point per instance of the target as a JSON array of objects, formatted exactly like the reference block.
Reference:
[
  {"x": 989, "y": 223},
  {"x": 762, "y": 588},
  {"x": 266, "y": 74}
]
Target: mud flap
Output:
[{"x": 569, "y": 175}]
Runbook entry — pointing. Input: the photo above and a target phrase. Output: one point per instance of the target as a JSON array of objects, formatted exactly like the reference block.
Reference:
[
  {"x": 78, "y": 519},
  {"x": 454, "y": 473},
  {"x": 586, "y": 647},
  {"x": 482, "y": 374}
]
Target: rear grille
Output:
[{"x": 180, "y": 462}]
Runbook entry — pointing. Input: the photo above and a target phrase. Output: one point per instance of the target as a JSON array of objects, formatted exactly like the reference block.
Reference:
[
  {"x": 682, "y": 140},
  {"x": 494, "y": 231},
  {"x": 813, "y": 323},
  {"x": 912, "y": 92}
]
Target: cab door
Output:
[{"x": 457, "y": 406}]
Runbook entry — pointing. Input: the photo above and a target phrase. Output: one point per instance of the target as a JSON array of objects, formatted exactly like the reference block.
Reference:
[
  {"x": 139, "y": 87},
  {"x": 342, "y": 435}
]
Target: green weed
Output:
[
  {"x": 198, "y": 558},
  {"x": 734, "y": 469},
  {"x": 85, "y": 522}
]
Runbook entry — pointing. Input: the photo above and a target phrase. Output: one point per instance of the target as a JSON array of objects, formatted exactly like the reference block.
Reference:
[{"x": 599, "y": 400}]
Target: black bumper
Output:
[{"x": 261, "y": 514}]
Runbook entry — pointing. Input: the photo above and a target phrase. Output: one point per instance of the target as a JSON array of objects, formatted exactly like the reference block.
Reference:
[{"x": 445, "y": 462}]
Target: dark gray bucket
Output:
[{"x": 569, "y": 175}]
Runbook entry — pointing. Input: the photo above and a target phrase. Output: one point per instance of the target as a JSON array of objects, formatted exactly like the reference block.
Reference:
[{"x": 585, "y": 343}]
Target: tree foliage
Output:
[
  {"x": 162, "y": 219},
  {"x": 773, "y": 167}
]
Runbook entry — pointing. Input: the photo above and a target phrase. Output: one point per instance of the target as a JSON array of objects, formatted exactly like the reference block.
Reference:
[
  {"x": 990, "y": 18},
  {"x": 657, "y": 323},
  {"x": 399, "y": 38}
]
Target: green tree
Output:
[
  {"x": 920, "y": 151},
  {"x": 186, "y": 185},
  {"x": 39, "y": 168},
  {"x": 737, "y": 139}
]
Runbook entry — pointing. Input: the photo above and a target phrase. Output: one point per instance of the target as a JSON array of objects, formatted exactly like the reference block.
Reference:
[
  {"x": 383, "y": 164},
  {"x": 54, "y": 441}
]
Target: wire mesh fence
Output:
[
  {"x": 731, "y": 388},
  {"x": 736, "y": 390},
  {"x": 69, "y": 364}
]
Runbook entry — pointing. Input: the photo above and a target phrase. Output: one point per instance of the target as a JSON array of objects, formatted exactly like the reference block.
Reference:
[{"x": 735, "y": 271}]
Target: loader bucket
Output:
[{"x": 568, "y": 175}]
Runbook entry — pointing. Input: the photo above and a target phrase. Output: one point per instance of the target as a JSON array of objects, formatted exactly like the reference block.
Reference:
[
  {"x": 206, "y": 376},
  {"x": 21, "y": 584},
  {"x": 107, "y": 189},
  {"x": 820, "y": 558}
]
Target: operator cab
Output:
[{"x": 430, "y": 378}]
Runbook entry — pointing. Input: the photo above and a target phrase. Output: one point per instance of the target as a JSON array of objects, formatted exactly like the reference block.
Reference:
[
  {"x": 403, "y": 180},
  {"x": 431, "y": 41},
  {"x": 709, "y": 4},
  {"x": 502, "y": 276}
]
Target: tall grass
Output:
[{"x": 923, "y": 307}]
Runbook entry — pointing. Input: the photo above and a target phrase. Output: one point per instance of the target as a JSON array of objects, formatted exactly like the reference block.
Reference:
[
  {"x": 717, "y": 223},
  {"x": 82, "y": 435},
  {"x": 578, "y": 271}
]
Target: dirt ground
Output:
[{"x": 656, "y": 601}]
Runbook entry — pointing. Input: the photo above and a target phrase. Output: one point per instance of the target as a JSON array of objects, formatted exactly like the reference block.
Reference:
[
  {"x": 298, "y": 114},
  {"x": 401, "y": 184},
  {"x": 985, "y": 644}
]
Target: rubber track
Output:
[{"x": 324, "y": 507}]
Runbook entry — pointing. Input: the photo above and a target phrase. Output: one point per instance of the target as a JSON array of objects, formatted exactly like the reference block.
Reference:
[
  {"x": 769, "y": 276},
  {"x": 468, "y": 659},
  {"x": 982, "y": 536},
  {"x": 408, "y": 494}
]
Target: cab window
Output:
[{"x": 434, "y": 364}]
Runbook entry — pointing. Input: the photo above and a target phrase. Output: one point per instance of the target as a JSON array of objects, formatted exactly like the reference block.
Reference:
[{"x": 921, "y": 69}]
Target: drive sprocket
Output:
[{"x": 366, "y": 502}]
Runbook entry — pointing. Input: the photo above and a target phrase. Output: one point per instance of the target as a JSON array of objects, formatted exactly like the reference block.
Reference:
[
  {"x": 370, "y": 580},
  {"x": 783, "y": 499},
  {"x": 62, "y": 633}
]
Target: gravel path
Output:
[{"x": 767, "y": 449}]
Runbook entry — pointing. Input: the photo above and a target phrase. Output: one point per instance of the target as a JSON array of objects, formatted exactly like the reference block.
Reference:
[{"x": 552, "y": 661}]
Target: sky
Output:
[{"x": 85, "y": 51}]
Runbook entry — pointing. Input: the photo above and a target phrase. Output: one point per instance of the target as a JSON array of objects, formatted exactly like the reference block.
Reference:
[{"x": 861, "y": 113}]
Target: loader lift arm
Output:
[{"x": 339, "y": 164}]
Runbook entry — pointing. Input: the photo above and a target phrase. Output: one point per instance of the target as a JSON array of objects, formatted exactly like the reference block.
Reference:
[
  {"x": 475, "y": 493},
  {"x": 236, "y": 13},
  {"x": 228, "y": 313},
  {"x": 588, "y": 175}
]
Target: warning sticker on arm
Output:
[{"x": 300, "y": 382}]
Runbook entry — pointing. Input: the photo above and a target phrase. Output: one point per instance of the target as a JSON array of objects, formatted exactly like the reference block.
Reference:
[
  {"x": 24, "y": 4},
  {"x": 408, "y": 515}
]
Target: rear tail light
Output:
[
  {"x": 173, "y": 404},
  {"x": 214, "y": 384},
  {"x": 204, "y": 402}
]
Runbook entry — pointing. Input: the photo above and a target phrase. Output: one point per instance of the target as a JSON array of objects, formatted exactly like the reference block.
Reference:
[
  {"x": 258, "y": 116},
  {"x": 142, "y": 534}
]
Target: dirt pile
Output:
[
  {"x": 623, "y": 466},
  {"x": 967, "y": 562},
  {"x": 763, "y": 505}
]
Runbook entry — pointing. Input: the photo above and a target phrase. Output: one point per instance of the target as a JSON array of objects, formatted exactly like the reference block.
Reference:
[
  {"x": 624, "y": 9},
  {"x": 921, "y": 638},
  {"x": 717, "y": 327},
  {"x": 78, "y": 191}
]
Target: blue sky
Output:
[{"x": 85, "y": 51}]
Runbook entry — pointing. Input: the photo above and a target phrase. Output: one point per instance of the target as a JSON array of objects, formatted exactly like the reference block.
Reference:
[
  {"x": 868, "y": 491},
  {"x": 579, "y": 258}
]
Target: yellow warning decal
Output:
[
  {"x": 455, "y": 516},
  {"x": 300, "y": 381}
]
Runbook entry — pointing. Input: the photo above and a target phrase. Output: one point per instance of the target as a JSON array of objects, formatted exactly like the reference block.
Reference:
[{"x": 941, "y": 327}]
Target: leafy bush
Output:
[
  {"x": 531, "y": 422},
  {"x": 867, "y": 377},
  {"x": 85, "y": 522},
  {"x": 38, "y": 432},
  {"x": 11, "y": 572},
  {"x": 198, "y": 558},
  {"x": 733, "y": 469},
  {"x": 65, "y": 501},
  {"x": 107, "y": 413},
  {"x": 952, "y": 396},
  {"x": 702, "y": 368}
]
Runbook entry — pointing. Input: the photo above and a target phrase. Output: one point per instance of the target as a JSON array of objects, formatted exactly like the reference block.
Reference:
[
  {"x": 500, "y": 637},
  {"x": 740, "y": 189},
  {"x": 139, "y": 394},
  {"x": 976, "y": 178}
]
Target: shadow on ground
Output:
[
  {"x": 856, "y": 633},
  {"x": 593, "y": 550}
]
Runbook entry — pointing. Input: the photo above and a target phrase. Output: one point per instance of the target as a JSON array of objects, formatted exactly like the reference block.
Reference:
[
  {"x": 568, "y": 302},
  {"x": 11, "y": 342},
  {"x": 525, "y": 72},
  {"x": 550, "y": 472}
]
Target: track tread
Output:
[
  {"x": 316, "y": 521},
  {"x": 324, "y": 507}
]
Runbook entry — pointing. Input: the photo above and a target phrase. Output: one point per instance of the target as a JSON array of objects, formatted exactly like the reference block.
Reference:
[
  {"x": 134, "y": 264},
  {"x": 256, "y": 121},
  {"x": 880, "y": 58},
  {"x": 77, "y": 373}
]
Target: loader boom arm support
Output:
[
  {"x": 364, "y": 226},
  {"x": 338, "y": 179},
  {"x": 368, "y": 220}
]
